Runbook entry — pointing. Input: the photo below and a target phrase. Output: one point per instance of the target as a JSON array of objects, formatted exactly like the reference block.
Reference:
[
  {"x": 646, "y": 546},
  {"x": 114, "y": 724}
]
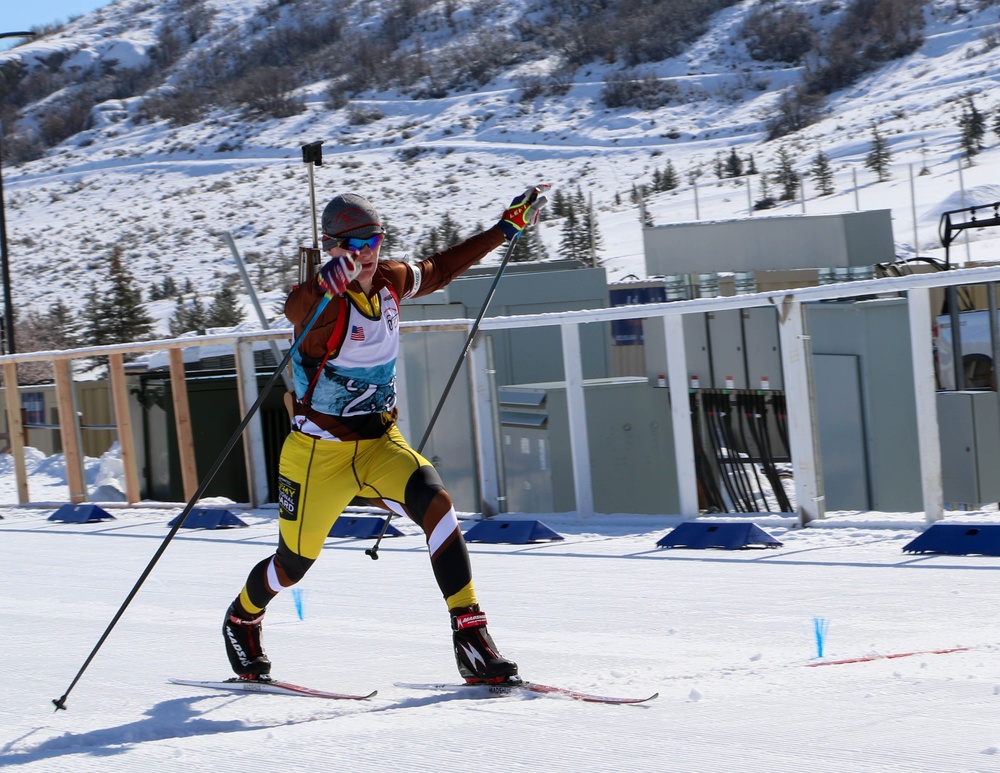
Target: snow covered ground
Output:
[{"x": 726, "y": 637}]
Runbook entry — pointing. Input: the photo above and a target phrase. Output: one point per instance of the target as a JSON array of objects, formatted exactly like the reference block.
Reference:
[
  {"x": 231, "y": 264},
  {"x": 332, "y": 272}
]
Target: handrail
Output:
[
  {"x": 788, "y": 303},
  {"x": 882, "y": 286}
]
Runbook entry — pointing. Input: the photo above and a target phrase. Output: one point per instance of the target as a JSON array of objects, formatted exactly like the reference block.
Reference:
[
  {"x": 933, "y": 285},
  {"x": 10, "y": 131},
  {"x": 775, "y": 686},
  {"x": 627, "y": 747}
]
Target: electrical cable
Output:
[
  {"x": 719, "y": 449},
  {"x": 738, "y": 453},
  {"x": 707, "y": 480},
  {"x": 744, "y": 411}
]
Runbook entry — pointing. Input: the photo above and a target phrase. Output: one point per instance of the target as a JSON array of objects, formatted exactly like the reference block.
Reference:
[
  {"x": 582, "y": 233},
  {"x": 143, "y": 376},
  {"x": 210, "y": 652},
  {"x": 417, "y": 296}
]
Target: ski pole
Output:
[
  {"x": 373, "y": 550},
  {"x": 60, "y": 703}
]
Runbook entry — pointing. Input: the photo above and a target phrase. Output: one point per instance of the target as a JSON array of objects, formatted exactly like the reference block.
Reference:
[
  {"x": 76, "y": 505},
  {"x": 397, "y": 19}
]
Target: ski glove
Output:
[
  {"x": 523, "y": 211},
  {"x": 337, "y": 273}
]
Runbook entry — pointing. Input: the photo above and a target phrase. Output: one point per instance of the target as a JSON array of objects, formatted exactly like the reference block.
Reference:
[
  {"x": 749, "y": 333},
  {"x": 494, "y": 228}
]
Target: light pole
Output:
[{"x": 8, "y": 304}]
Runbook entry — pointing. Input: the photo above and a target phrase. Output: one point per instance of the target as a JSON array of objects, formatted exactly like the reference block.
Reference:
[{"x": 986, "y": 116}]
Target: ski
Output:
[
  {"x": 512, "y": 687},
  {"x": 271, "y": 686},
  {"x": 889, "y": 656}
]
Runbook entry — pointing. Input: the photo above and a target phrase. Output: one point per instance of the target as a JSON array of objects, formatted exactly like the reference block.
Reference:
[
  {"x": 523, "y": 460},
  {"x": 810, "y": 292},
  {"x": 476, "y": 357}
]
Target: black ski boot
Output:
[
  {"x": 479, "y": 660},
  {"x": 242, "y": 637}
]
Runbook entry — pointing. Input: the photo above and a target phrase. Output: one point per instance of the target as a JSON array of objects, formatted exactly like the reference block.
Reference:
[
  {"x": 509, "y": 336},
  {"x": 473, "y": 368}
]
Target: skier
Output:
[{"x": 344, "y": 441}]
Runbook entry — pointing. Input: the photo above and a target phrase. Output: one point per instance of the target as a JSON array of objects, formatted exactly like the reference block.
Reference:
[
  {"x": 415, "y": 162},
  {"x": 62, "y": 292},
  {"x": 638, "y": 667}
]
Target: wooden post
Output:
[
  {"x": 69, "y": 431},
  {"x": 123, "y": 420},
  {"x": 15, "y": 430},
  {"x": 182, "y": 423}
]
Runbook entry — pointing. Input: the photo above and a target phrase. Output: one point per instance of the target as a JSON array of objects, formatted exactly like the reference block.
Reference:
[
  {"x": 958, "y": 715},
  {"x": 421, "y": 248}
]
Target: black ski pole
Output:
[
  {"x": 373, "y": 550},
  {"x": 60, "y": 703}
]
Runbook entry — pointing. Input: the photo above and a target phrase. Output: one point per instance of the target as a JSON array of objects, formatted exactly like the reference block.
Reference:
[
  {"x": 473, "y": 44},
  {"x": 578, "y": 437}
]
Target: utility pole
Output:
[{"x": 8, "y": 304}]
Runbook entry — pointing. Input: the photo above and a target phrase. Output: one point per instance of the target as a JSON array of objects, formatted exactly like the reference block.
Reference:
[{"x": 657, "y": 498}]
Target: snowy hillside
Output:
[{"x": 166, "y": 194}]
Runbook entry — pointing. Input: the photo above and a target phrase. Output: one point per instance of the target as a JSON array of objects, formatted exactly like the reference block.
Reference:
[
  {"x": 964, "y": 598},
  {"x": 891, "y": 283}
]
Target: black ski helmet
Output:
[{"x": 349, "y": 215}]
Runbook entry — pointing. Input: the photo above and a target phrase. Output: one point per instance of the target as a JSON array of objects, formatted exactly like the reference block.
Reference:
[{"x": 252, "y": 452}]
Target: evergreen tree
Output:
[
  {"x": 428, "y": 244},
  {"x": 449, "y": 231},
  {"x": 579, "y": 228},
  {"x": 166, "y": 289},
  {"x": 751, "y": 165},
  {"x": 558, "y": 205},
  {"x": 93, "y": 321},
  {"x": 878, "y": 157},
  {"x": 734, "y": 164},
  {"x": 591, "y": 233},
  {"x": 786, "y": 176},
  {"x": 116, "y": 314},
  {"x": 570, "y": 247},
  {"x": 197, "y": 316},
  {"x": 178, "y": 322},
  {"x": 529, "y": 246},
  {"x": 823, "y": 173},
  {"x": 766, "y": 200},
  {"x": 224, "y": 310},
  {"x": 188, "y": 317},
  {"x": 645, "y": 219},
  {"x": 62, "y": 325},
  {"x": 972, "y": 129},
  {"x": 388, "y": 240},
  {"x": 669, "y": 179},
  {"x": 443, "y": 235}
]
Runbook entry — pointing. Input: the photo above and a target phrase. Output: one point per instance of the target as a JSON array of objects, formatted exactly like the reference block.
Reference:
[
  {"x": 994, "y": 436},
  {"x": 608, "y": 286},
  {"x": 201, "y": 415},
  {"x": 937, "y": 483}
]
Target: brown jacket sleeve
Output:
[
  {"x": 441, "y": 267},
  {"x": 435, "y": 272}
]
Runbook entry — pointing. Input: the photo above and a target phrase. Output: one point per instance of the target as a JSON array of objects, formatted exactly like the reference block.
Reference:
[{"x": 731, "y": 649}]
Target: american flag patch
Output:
[{"x": 357, "y": 333}]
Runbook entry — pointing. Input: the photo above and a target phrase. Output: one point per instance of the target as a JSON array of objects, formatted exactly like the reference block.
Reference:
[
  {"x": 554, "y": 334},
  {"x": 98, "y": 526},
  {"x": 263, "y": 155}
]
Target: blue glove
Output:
[
  {"x": 337, "y": 273},
  {"x": 523, "y": 211}
]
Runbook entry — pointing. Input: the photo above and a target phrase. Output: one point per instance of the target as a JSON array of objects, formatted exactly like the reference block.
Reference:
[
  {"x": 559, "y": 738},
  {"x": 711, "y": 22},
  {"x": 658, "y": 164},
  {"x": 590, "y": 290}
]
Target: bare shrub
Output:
[
  {"x": 266, "y": 92},
  {"x": 644, "y": 91},
  {"x": 778, "y": 33},
  {"x": 361, "y": 115},
  {"x": 797, "y": 108},
  {"x": 870, "y": 33},
  {"x": 181, "y": 106},
  {"x": 66, "y": 118}
]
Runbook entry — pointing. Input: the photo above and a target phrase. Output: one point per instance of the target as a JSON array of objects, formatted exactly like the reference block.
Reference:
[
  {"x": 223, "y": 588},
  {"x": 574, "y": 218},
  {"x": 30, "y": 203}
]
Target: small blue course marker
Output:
[{"x": 820, "y": 626}]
